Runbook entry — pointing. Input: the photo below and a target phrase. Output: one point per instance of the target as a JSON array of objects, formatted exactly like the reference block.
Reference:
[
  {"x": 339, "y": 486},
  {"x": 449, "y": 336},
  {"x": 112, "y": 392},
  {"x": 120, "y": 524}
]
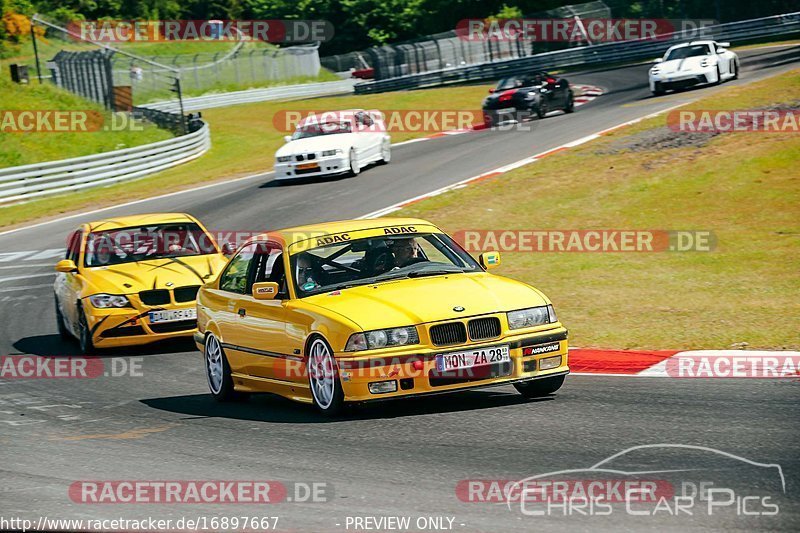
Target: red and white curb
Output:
[
  {"x": 685, "y": 364},
  {"x": 587, "y": 94}
]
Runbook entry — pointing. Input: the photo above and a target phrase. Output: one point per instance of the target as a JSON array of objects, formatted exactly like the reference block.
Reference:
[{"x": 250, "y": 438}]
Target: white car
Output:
[
  {"x": 335, "y": 142},
  {"x": 695, "y": 63}
]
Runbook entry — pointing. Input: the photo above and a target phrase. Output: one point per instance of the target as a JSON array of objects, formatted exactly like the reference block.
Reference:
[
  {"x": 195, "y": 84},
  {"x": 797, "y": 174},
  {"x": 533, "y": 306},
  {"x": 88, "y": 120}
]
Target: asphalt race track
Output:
[{"x": 389, "y": 459}]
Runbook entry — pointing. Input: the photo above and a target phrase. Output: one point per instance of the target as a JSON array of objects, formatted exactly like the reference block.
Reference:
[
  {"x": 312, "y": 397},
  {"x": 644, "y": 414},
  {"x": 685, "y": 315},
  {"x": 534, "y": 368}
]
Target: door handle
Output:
[{"x": 242, "y": 312}]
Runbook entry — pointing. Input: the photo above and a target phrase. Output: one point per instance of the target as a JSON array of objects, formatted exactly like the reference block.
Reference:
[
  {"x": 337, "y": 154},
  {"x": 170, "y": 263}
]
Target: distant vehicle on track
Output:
[
  {"x": 695, "y": 63},
  {"x": 522, "y": 96},
  {"x": 337, "y": 142}
]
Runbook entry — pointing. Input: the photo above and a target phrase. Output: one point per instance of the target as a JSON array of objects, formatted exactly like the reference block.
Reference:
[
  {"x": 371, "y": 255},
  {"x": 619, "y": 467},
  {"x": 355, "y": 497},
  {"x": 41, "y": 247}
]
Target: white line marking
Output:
[
  {"x": 37, "y": 265},
  {"x": 134, "y": 202},
  {"x": 12, "y": 278},
  {"x": 28, "y": 287}
]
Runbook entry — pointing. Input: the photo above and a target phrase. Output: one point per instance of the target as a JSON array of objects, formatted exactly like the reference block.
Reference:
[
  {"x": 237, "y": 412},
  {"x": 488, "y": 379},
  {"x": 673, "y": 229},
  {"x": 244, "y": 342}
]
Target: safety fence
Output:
[
  {"x": 501, "y": 65},
  {"x": 22, "y": 183}
]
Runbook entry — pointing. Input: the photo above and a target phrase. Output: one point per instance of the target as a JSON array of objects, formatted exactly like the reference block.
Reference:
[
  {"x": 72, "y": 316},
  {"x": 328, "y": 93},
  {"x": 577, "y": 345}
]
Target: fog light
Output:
[
  {"x": 550, "y": 362},
  {"x": 382, "y": 387}
]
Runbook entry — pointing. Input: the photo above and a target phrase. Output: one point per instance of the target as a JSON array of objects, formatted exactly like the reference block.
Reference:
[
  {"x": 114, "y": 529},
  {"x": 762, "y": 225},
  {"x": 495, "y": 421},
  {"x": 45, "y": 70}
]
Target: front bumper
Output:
[
  {"x": 325, "y": 166},
  {"x": 666, "y": 82},
  {"x": 130, "y": 326},
  {"x": 415, "y": 372}
]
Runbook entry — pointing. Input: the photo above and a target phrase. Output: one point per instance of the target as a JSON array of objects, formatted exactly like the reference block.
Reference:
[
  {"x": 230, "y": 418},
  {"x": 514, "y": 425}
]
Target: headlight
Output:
[
  {"x": 327, "y": 153},
  {"x": 533, "y": 316},
  {"x": 381, "y": 338},
  {"x": 104, "y": 301},
  {"x": 284, "y": 158}
]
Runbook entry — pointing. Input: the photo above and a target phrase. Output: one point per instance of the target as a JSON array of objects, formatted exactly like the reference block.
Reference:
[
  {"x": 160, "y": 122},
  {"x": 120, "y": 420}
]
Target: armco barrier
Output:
[
  {"x": 26, "y": 182},
  {"x": 600, "y": 54},
  {"x": 285, "y": 92}
]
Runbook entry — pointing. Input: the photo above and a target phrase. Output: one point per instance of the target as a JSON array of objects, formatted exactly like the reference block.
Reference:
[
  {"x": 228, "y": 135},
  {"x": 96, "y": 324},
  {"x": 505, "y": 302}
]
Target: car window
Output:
[
  {"x": 234, "y": 278},
  {"x": 268, "y": 266},
  {"x": 683, "y": 52},
  {"x": 74, "y": 246}
]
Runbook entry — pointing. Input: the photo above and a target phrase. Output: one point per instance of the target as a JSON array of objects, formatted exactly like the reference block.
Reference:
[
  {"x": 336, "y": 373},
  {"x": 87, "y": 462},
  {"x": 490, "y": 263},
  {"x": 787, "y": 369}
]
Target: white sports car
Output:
[
  {"x": 335, "y": 142},
  {"x": 695, "y": 63}
]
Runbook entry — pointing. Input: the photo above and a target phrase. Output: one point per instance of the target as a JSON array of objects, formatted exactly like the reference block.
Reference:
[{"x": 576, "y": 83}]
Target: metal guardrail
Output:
[
  {"x": 18, "y": 184},
  {"x": 285, "y": 92},
  {"x": 607, "y": 53}
]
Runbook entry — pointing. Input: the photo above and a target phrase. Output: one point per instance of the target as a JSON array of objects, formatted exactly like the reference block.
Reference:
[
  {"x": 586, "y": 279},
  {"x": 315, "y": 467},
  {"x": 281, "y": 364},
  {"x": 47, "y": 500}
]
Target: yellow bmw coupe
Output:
[
  {"x": 133, "y": 280},
  {"x": 363, "y": 310}
]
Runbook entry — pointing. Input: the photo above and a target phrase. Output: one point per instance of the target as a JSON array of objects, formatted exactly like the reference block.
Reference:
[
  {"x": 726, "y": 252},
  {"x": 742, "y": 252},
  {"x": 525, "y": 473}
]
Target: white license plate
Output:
[
  {"x": 173, "y": 315},
  {"x": 472, "y": 358},
  {"x": 506, "y": 111}
]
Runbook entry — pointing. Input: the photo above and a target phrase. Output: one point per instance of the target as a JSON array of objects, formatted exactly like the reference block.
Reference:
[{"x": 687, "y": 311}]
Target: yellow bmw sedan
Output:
[
  {"x": 363, "y": 310},
  {"x": 133, "y": 280}
]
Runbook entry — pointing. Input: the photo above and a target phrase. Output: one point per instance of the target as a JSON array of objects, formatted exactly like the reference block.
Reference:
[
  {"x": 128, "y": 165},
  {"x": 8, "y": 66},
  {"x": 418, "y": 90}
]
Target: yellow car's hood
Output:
[
  {"x": 419, "y": 300},
  {"x": 127, "y": 278}
]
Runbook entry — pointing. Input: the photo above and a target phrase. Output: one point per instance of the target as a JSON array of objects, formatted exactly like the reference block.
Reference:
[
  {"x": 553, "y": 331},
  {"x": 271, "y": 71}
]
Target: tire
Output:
[
  {"x": 570, "y": 107},
  {"x": 63, "y": 332},
  {"x": 354, "y": 168},
  {"x": 540, "y": 387},
  {"x": 719, "y": 77},
  {"x": 386, "y": 153},
  {"x": 735, "y": 70},
  {"x": 659, "y": 92},
  {"x": 323, "y": 378},
  {"x": 84, "y": 334},
  {"x": 541, "y": 110},
  {"x": 218, "y": 372}
]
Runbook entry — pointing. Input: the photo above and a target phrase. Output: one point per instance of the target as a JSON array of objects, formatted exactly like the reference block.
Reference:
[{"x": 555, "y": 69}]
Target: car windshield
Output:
[
  {"x": 683, "y": 52},
  {"x": 323, "y": 128},
  {"x": 377, "y": 259},
  {"x": 141, "y": 243},
  {"x": 515, "y": 82}
]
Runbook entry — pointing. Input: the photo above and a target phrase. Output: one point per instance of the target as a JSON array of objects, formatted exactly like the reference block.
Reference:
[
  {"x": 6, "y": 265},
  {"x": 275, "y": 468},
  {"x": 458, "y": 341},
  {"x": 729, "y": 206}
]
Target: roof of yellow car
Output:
[
  {"x": 301, "y": 233},
  {"x": 138, "y": 220}
]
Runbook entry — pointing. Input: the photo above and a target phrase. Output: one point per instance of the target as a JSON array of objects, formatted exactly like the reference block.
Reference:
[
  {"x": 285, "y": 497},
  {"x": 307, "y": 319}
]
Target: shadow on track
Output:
[
  {"x": 275, "y": 409},
  {"x": 52, "y": 345}
]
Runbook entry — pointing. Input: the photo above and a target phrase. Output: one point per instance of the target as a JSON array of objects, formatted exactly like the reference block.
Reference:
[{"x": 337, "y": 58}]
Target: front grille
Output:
[
  {"x": 186, "y": 294},
  {"x": 468, "y": 375},
  {"x": 155, "y": 297},
  {"x": 170, "y": 327},
  {"x": 484, "y": 328},
  {"x": 449, "y": 333},
  {"x": 127, "y": 331},
  {"x": 305, "y": 157}
]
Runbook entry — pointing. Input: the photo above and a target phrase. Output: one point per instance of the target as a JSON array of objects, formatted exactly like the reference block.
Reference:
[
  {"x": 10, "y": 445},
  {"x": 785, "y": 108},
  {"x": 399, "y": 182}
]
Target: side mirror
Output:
[
  {"x": 265, "y": 290},
  {"x": 492, "y": 90},
  {"x": 720, "y": 50},
  {"x": 228, "y": 249},
  {"x": 659, "y": 60},
  {"x": 287, "y": 138},
  {"x": 489, "y": 259},
  {"x": 66, "y": 265}
]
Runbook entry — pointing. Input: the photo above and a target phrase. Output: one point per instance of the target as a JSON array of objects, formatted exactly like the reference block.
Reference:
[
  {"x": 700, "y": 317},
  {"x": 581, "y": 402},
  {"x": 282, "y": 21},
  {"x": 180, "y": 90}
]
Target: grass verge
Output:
[{"x": 745, "y": 187}]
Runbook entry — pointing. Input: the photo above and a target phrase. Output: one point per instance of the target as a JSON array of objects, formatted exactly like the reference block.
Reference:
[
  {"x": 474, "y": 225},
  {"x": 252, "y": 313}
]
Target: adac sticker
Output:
[{"x": 399, "y": 230}]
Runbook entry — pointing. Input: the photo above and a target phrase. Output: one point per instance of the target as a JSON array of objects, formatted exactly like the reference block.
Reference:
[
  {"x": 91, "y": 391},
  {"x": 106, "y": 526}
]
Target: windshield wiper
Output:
[{"x": 438, "y": 272}]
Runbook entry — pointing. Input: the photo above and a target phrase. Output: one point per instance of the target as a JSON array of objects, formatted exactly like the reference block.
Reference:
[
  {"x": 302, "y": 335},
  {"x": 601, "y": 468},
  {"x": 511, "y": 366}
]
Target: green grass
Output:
[
  {"x": 744, "y": 187},
  {"x": 244, "y": 142},
  {"x": 24, "y": 148}
]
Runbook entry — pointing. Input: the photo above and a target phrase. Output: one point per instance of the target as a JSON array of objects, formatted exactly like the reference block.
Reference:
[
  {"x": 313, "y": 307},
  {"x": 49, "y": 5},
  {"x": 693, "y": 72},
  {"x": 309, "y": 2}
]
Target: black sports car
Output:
[{"x": 521, "y": 96}]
